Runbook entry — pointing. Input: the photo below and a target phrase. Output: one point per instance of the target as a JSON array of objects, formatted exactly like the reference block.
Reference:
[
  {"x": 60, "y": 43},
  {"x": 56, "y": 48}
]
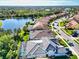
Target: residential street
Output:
[{"x": 66, "y": 37}]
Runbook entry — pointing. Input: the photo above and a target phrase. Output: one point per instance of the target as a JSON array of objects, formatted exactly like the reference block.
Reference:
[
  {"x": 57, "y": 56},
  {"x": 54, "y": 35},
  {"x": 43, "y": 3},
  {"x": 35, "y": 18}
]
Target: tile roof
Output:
[
  {"x": 40, "y": 33},
  {"x": 72, "y": 24},
  {"x": 42, "y": 24},
  {"x": 76, "y": 18},
  {"x": 33, "y": 44}
]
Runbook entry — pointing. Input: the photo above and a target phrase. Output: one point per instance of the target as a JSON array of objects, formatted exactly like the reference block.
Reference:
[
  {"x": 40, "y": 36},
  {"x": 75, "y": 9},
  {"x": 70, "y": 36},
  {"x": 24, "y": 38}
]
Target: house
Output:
[
  {"x": 37, "y": 34},
  {"x": 44, "y": 47},
  {"x": 74, "y": 21},
  {"x": 76, "y": 18},
  {"x": 72, "y": 24},
  {"x": 42, "y": 24}
]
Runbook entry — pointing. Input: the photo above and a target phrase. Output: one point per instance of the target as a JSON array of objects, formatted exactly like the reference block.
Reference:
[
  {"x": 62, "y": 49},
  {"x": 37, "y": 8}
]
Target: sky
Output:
[{"x": 39, "y": 2}]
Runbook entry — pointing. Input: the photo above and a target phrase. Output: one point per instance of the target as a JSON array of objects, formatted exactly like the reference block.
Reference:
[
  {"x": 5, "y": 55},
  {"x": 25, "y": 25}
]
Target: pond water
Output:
[{"x": 14, "y": 23}]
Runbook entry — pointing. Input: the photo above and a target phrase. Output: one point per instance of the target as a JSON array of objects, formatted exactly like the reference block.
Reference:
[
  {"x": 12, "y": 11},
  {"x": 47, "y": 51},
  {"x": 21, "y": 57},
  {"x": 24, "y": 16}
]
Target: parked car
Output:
[
  {"x": 55, "y": 22},
  {"x": 71, "y": 44}
]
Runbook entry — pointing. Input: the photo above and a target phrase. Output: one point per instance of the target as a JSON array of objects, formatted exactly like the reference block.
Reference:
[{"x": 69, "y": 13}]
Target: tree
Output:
[{"x": 7, "y": 43}]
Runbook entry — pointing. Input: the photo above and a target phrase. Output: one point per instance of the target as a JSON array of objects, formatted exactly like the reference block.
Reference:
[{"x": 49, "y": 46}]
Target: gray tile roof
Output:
[{"x": 33, "y": 45}]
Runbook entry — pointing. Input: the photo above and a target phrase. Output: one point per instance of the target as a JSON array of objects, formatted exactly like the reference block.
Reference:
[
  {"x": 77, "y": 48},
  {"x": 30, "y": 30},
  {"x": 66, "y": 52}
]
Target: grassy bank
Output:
[
  {"x": 61, "y": 24},
  {"x": 68, "y": 32},
  {"x": 62, "y": 43},
  {"x": 0, "y": 23}
]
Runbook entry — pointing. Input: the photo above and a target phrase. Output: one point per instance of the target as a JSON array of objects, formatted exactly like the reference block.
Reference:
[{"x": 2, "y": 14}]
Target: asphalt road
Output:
[{"x": 66, "y": 37}]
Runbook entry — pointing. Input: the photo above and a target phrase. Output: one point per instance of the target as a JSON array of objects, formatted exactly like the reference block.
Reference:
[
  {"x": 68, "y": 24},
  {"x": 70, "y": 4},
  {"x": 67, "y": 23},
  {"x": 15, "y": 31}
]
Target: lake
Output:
[{"x": 14, "y": 23}]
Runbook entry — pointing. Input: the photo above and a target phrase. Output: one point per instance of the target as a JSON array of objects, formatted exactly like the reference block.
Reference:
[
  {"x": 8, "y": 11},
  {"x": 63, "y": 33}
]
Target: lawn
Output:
[
  {"x": 0, "y": 23},
  {"x": 76, "y": 41},
  {"x": 61, "y": 24},
  {"x": 68, "y": 32},
  {"x": 1, "y": 57},
  {"x": 62, "y": 43},
  {"x": 73, "y": 57}
]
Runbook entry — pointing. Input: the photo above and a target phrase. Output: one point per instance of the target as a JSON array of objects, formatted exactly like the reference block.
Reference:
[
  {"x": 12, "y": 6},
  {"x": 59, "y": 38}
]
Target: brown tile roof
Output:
[
  {"x": 74, "y": 21},
  {"x": 45, "y": 33},
  {"x": 40, "y": 33},
  {"x": 76, "y": 18},
  {"x": 72, "y": 24},
  {"x": 42, "y": 24}
]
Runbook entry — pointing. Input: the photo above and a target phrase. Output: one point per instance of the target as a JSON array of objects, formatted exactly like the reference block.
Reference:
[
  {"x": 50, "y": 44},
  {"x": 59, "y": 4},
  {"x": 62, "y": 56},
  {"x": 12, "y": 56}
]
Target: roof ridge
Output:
[{"x": 32, "y": 48}]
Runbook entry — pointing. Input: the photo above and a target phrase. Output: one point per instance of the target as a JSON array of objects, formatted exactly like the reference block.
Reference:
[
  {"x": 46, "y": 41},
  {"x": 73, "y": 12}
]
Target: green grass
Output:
[
  {"x": 76, "y": 41},
  {"x": 1, "y": 57},
  {"x": 0, "y": 23},
  {"x": 62, "y": 43},
  {"x": 61, "y": 24},
  {"x": 73, "y": 57},
  {"x": 68, "y": 32}
]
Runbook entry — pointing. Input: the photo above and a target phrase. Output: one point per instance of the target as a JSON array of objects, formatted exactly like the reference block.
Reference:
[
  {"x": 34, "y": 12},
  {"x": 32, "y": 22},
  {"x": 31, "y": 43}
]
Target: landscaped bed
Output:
[
  {"x": 68, "y": 32},
  {"x": 62, "y": 43},
  {"x": 61, "y": 24},
  {"x": 73, "y": 57}
]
